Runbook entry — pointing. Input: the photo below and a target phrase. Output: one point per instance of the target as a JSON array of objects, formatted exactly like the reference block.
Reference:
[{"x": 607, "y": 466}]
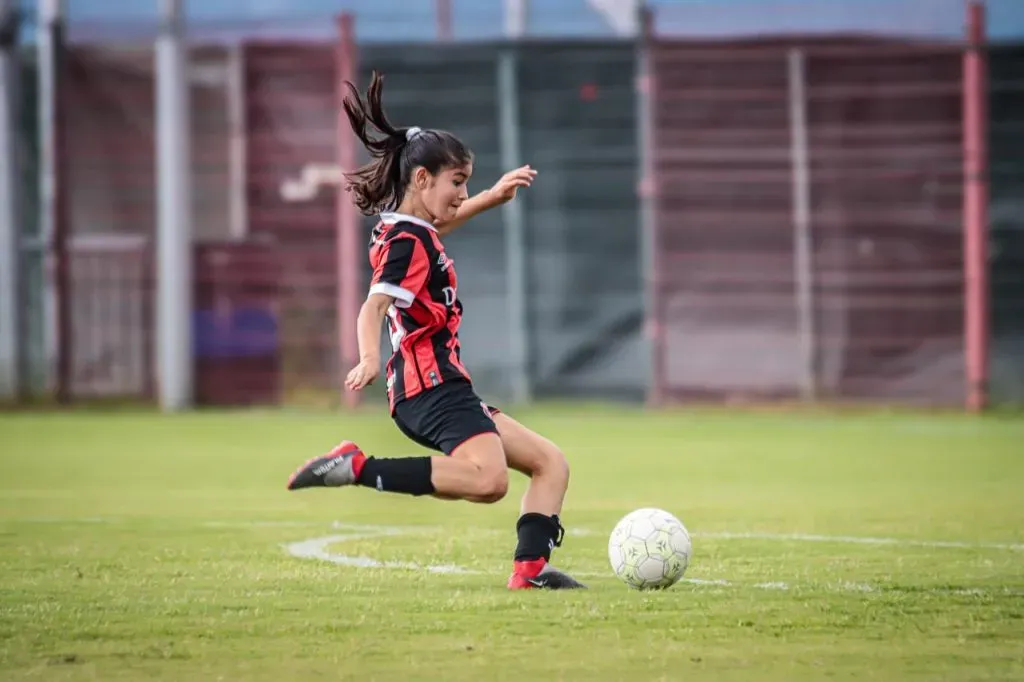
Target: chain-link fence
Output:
[{"x": 798, "y": 230}]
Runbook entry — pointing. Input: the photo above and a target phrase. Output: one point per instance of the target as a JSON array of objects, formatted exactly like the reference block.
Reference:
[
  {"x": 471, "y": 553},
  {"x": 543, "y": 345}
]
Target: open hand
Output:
[
  {"x": 505, "y": 188},
  {"x": 362, "y": 375}
]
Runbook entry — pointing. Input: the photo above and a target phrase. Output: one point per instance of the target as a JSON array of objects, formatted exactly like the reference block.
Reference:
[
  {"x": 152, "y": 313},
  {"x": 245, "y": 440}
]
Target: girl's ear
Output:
[{"x": 420, "y": 178}]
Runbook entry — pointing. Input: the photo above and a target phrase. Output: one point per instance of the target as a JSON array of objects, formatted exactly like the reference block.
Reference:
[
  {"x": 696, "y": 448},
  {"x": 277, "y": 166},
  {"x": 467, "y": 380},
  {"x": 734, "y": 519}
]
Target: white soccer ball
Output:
[{"x": 649, "y": 549}]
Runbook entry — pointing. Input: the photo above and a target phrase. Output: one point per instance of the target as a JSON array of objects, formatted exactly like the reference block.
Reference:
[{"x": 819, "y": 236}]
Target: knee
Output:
[
  {"x": 493, "y": 485},
  {"x": 552, "y": 462},
  {"x": 561, "y": 465}
]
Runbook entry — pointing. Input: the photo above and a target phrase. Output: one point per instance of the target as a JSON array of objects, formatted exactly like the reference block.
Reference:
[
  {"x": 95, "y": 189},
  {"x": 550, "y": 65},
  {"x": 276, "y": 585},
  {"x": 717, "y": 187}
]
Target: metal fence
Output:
[
  {"x": 264, "y": 148},
  {"x": 1006, "y": 172},
  {"x": 553, "y": 305},
  {"x": 809, "y": 220},
  {"x": 716, "y": 217}
]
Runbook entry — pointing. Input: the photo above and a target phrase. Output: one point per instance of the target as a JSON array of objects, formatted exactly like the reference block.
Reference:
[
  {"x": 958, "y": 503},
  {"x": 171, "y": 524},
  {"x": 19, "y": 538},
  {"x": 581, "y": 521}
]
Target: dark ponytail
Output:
[{"x": 380, "y": 185}]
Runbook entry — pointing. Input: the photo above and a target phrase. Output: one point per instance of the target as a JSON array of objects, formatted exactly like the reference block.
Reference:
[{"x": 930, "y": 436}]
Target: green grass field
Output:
[{"x": 870, "y": 546}]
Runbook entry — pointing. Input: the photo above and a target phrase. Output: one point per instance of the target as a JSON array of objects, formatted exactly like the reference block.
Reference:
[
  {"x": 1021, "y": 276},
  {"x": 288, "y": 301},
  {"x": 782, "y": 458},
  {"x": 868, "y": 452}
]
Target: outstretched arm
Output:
[
  {"x": 368, "y": 325},
  {"x": 476, "y": 204},
  {"x": 503, "y": 191}
]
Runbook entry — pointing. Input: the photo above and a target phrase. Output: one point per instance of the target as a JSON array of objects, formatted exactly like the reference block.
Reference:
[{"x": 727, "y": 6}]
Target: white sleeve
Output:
[{"x": 403, "y": 297}]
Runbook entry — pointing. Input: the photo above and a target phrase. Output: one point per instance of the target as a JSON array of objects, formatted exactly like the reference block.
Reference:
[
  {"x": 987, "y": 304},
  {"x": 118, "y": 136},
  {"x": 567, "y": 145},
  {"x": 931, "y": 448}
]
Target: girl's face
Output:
[{"x": 443, "y": 193}]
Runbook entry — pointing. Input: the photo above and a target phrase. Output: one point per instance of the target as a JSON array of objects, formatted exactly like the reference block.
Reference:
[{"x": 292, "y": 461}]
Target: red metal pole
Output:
[
  {"x": 347, "y": 222},
  {"x": 444, "y": 19},
  {"x": 975, "y": 203}
]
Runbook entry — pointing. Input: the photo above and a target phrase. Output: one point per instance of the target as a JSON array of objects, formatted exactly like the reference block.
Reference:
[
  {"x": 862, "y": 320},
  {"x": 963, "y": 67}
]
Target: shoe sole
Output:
[{"x": 342, "y": 450}]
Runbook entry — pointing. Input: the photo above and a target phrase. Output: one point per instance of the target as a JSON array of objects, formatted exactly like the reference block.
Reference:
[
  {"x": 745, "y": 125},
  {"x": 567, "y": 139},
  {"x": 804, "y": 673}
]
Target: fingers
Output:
[
  {"x": 522, "y": 173},
  {"x": 350, "y": 381},
  {"x": 520, "y": 177},
  {"x": 360, "y": 377},
  {"x": 511, "y": 181},
  {"x": 357, "y": 383}
]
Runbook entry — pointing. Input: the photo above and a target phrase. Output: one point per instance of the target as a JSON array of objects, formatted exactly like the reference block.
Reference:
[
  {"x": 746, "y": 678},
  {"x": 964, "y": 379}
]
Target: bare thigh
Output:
[
  {"x": 527, "y": 451},
  {"x": 487, "y": 456},
  {"x": 537, "y": 457}
]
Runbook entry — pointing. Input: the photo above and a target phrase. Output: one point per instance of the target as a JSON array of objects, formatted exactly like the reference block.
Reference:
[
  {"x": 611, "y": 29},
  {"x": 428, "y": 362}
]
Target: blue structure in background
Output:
[
  {"x": 238, "y": 332},
  {"x": 483, "y": 19}
]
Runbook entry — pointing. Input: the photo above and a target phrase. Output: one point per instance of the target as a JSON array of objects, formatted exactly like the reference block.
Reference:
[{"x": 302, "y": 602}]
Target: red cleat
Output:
[
  {"x": 538, "y": 573},
  {"x": 340, "y": 466}
]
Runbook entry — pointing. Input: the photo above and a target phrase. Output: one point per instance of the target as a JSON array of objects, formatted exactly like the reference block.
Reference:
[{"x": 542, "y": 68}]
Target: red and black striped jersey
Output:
[{"x": 410, "y": 265}]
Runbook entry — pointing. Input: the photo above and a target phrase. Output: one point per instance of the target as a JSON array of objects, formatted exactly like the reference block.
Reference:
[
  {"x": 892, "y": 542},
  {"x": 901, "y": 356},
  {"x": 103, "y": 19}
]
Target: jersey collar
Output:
[{"x": 392, "y": 218}]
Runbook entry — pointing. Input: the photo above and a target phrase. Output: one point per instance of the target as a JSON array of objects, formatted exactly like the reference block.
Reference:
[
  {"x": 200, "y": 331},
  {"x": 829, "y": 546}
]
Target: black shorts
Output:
[{"x": 445, "y": 417}]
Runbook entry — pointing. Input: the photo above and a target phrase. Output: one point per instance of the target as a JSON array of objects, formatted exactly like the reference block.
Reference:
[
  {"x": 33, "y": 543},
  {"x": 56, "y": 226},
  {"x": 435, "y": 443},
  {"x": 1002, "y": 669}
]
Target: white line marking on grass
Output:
[
  {"x": 589, "y": 532},
  {"x": 691, "y": 581},
  {"x": 262, "y": 524},
  {"x": 772, "y": 586},
  {"x": 856, "y": 540},
  {"x": 855, "y": 587},
  {"x": 580, "y": 532},
  {"x": 317, "y": 548},
  {"x": 91, "y": 519}
]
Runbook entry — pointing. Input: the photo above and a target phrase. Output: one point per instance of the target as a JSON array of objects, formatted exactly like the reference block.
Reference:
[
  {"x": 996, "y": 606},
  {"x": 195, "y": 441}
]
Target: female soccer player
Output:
[{"x": 416, "y": 180}]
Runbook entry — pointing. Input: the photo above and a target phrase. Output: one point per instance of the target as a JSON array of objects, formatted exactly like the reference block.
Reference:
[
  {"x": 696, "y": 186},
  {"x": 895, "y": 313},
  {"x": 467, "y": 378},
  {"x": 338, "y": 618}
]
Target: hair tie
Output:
[{"x": 412, "y": 132}]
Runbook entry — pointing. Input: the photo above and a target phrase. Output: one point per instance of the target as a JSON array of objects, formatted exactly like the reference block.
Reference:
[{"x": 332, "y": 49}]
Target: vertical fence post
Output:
[
  {"x": 516, "y": 13},
  {"x": 648, "y": 197},
  {"x": 174, "y": 212},
  {"x": 975, "y": 206},
  {"x": 347, "y": 218},
  {"x": 52, "y": 227},
  {"x": 515, "y": 239},
  {"x": 238, "y": 136},
  {"x": 61, "y": 214},
  {"x": 443, "y": 10},
  {"x": 802, "y": 243},
  {"x": 10, "y": 246}
]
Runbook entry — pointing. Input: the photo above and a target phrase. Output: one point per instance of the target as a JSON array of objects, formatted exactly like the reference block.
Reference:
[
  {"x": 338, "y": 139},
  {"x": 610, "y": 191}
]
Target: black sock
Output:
[
  {"x": 538, "y": 535},
  {"x": 409, "y": 475}
]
